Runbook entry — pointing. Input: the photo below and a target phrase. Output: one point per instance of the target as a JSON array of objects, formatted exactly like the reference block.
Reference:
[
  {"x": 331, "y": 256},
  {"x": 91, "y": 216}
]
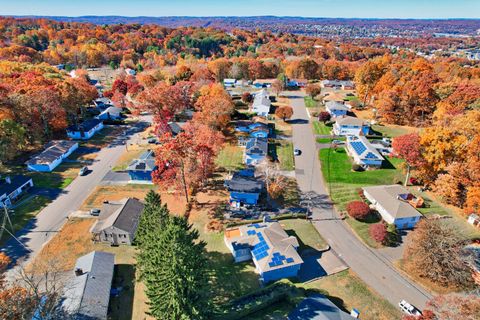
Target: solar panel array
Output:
[
  {"x": 260, "y": 250},
  {"x": 370, "y": 155},
  {"x": 358, "y": 146},
  {"x": 278, "y": 260}
]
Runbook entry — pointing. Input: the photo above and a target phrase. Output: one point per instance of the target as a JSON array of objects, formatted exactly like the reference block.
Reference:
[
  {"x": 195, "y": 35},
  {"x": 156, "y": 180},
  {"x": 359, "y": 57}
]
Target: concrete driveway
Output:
[
  {"x": 43, "y": 227},
  {"x": 370, "y": 266}
]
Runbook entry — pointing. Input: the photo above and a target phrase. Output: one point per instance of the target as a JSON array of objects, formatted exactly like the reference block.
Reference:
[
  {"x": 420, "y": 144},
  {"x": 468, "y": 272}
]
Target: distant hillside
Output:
[{"x": 326, "y": 27}]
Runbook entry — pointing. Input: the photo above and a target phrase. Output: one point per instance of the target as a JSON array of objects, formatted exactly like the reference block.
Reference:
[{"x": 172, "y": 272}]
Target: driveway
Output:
[
  {"x": 43, "y": 227},
  {"x": 369, "y": 265}
]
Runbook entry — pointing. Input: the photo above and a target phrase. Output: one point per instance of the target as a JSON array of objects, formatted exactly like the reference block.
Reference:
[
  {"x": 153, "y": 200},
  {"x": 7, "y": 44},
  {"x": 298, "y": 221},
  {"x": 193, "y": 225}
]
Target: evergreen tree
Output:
[
  {"x": 153, "y": 215},
  {"x": 175, "y": 272}
]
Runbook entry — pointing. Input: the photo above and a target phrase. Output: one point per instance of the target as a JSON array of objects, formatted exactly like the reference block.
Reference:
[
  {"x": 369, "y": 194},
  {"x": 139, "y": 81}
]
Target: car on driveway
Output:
[
  {"x": 83, "y": 171},
  {"x": 297, "y": 152},
  {"x": 338, "y": 142},
  {"x": 95, "y": 212},
  {"x": 409, "y": 309}
]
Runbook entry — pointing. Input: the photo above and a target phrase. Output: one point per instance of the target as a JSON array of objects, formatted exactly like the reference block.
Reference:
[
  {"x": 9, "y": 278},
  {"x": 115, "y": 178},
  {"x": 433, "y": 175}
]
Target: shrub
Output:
[
  {"x": 378, "y": 232},
  {"x": 313, "y": 90},
  {"x": 247, "y": 97},
  {"x": 324, "y": 116},
  {"x": 357, "y": 167},
  {"x": 358, "y": 210}
]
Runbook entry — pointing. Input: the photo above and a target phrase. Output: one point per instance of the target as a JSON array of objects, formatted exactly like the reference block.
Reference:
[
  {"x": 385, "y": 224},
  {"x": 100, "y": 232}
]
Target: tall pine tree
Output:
[{"x": 172, "y": 264}]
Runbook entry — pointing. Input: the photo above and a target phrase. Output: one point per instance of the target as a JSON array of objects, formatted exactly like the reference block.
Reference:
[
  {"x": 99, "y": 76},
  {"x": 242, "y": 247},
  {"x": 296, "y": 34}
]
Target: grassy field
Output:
[
  {"x": 345, "y": 184},
  {"x": 347, "y": 291},
  {"x": 305, "y": 232},
  {"x": 230, "y": 158},
  {"x": 134, "y": 151},
  {"x": 321, "y": 128},
  {"x": 329, "y": 140},
  {"x": 310, "y": 102},
  {"x": 392, "y": 131},
  {"x": 285, "y": 156}
]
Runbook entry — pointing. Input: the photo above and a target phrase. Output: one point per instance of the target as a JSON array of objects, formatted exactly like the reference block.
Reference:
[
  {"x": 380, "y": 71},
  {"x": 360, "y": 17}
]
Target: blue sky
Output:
[{"x": 307, "y": 8}]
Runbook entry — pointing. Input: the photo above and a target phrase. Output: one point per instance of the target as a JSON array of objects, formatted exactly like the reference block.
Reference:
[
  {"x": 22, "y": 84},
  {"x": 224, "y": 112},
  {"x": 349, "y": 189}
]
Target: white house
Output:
[
  {"x": 363, "y": 153},
  {"x": 350, "y": 126},
  {"x": 336, "y": 109},
  {"x": 392, "y": 203},
  {"x": 261, "y": 103},
  {"x": 11, "y": 188},
  {"x": 85, "y": 130},
  {"x": 111, "y": 113},
  {"x": 229, "y": 83},
  {"x": 54, "y": 153}
]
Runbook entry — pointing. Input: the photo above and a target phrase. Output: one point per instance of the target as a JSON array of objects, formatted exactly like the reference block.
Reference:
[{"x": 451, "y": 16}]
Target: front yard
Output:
[
  {"x": 321, "y": 128},
  {"x": 344, "y": 184},
  {"x": 285, "y": 156}
]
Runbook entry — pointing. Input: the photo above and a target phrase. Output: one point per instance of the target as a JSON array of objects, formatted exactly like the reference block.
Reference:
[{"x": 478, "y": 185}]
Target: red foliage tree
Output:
[
  {"x": 313, "y": 90},
  {"x": 247, "y": 97},
  {"x": 324, "y": 116},
  {"x": 284, "y": 112},
  {"x": 378, "y": 232},
  {"x": 358, "y": 210},
  {"x": 408, "y": 148}
]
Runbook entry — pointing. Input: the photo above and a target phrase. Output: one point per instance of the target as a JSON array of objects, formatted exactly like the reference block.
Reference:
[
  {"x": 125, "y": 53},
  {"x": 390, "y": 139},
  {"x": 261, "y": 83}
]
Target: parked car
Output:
[
  {"x": 152, "y": 140},
  {"x": 338, "y": 142},
  {"x": 83, "y": 171},
  {"x": 297, "y": 152},
  {"x": 409, "y": 309},
  {"x": 95, "y": 212}
]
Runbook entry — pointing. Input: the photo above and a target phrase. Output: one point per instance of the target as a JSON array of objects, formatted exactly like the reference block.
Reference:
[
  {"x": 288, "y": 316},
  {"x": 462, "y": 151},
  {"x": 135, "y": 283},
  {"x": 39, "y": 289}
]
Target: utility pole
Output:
[{"x": 5, "y": 220}]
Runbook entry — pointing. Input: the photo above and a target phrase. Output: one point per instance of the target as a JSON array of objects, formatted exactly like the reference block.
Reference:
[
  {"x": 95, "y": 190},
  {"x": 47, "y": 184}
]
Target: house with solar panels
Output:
[
  {"x": 271, "y": 249},
  {"x": 140, "y": 170},
  {"x": 350, "y": 126},
  {"x": 363, "y": 153}
]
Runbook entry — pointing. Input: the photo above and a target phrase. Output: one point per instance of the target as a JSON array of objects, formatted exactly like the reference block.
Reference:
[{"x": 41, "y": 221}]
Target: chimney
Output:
[
  {"x": 78, "y": 271},
  {"x": 8, "y": 180}
]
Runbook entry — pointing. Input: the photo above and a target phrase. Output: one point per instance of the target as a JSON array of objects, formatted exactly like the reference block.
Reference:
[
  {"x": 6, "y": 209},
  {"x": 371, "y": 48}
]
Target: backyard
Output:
[{"x": 230, "y": 158}]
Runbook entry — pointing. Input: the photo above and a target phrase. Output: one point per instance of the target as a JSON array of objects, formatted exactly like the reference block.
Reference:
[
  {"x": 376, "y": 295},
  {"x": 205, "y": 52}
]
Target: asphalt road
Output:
[
  {"x": 50, "y": 220},
  {"x": 368, "y": 264}
]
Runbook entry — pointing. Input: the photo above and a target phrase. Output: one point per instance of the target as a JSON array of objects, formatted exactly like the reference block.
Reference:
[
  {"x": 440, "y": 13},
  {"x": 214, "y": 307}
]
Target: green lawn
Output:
[
  {"x": 285, "y": 156},
  {"x": 328, "y": 140},
  {"x": 307, "y": 235},
  {"x": 389, "y": 131},
  {"x": 27, "y": 208},
  {"x": 345, "y": 185},
  {"x": 310, "y": 102},
  {"x": 230, "y": 158},
  {"x": 350, "y": 98},
  {"x": 321, "y": 128}
]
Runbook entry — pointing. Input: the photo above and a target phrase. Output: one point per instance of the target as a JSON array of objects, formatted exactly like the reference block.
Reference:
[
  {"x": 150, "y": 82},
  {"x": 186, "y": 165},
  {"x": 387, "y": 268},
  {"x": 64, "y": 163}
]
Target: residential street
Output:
[
  {"x": 50, "y": 220},
  {"x": 370, "y": 265}
]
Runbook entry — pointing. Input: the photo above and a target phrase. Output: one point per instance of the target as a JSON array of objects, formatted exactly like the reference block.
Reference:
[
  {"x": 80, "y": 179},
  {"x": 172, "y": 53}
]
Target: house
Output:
[
  {"x": 261, "y": 104},
  {"x": 140, "y": 170},
  {"x": 244, "y": 188},
  {"x": 363, "y": 153},
  {"x": 229, "y": 83},
  {"x": 130, "y": 72},
  {"x": 54, "y": 153},
  {"x": 119, "y": 222},
  {"x": 392, "y": 202},
  {"x": 254, "y": 129},
  {"x": 111, "y": 113},
  {"x": 472, "y": 219},
  {"x": 263, "y": 83},
  {"x": 11, "y": 188},
  {"x": 350, "y": 126},
  {"x": 256, "y": 150},
  {"x": 87, "y": 293},
  {"x": 272, "y": 250},
  {"x": 347, "y": 85},
  {"x": 336, "y": 109},
  {"x": 338, "y": 84},
  {"x": 318, "y": 307},
  {"x": 176, "y": 127},
  {"x": 299, "y": 83},
  {"x": 85, "y": 130},
  {"x": 102, "y": 103}
]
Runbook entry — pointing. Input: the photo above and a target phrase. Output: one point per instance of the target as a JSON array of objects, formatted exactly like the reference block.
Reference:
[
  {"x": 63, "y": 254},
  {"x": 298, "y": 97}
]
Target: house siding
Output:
[
  {"x": 115, "y": 236},
  {"x": 7, "y": 199},
  {"x": 281, "y": 273},
  {"x": 244, "y": 198},
  {"x": 140, "y": 175},
  {"x": 77, "y": 135},
  {"x": 49, "y": 167}
]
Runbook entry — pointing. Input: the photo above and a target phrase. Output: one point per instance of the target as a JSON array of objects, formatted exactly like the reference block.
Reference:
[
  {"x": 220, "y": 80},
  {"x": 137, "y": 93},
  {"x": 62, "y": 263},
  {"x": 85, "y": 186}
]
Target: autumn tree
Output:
[
  {"x": 284, "y": 112},
  {"x": 313, "y": 90},
  {"x": 378, "y": 232},
  {"x": 247, "y": 97},
  {"x": 434, "y": 251},
  {"x": 367, "y": 76},
  {"x": 452, "y": 306},
  {"x": 324, "y": 116},
  {"x": 358, "y": 210},
  {"x": 214, "y": 107},
  {"x": 12, "y": 139},
  {"x": 407, "y": 147},
  {"x": 278, "y": 86}
]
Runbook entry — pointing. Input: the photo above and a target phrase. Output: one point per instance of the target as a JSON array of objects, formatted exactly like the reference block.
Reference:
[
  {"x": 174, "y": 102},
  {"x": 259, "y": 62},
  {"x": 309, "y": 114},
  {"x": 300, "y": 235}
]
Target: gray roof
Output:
[
  {"x": 146, "y": 162},
  {"x": 53, "y": 150},
  {"x": 335, "y": 105},
  {"x": 88, "y": 293},
  {"x": 125, "y": 217},
  {"x": 15, "y": 183},
  {"x": 389, "y": 197},
  {"x": 86, "y": 125},
  {"x": 318, "y": 307},
  {"x": 257, "y": 146},
  {"x": 176, "y": 127},
  {"x": 241, "y": 183},
  {"x": 350, "y": 121}
]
